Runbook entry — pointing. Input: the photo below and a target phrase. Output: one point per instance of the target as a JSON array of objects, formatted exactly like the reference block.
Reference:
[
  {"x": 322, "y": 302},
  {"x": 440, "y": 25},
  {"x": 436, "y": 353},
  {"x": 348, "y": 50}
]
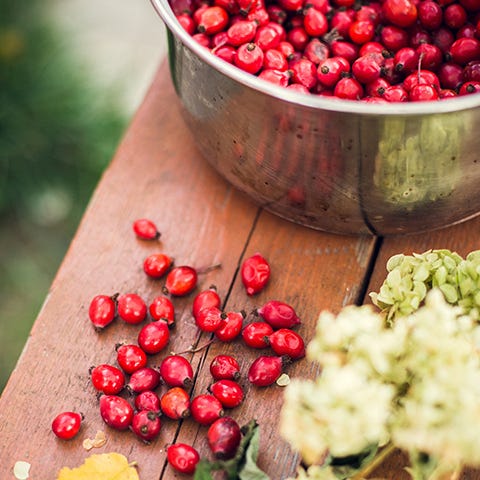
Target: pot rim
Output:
[{"x": 450, "y": 105}]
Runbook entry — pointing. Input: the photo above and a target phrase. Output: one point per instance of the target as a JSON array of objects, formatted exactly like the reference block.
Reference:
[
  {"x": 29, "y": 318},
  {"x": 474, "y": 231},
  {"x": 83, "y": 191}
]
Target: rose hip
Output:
[
  {"x": 146, "y": 425},
  {"x": 131, "y": 308},
  {"x": 254, "y": 334},
  {"x": 157, "y": 265},
  {"x": 162, "y": 308},
  {"x": 66, "y": 425},
  {"x": 287, "y": 342},
  {"x": 183, "y": 458},
  {"x": 147, "y": 400},
  {"x": 224, "y": 367},
  {"x": 265, "y": 370},
  {"x": 255, "y": 273},
  {"x": 204, "y": 299},
  {"x": 154, "y": 337},
  {"x": 107, "y": 379},
  {"x": 224, "y": 436},
  {"x": 278, "y": 314},
  {"x": 175, "y": 403},
  {"x": 131, "y": 358},
  {"x": 181, "y": 280},
  {"x": 205, "y": 409},
  {"x": 209, "y": 319},
  {"x": 228, "y": 392},
  {"x": 145, "y": 229},
  {"x": 102, "y": 310},
  {"x": 176, "y": 371},
  {"x": 144, "y": 379},
  {"x": 116, "y": 412},
  {"x": 230, "y": 327}
]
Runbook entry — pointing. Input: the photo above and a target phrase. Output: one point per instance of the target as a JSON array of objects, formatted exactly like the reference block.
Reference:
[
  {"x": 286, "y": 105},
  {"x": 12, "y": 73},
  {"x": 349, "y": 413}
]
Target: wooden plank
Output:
[
  {"x": 461, "y": 238},
  {"x": 158, "y": 173}
]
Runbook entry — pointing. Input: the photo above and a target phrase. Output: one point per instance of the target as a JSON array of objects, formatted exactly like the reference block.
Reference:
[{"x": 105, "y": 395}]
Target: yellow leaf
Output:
[{"x": 105, "y": 466}]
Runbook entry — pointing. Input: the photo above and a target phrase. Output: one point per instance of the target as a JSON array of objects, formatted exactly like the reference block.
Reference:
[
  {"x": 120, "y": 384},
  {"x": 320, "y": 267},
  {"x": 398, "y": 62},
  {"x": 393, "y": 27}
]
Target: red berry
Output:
[
  {"x": 131, "y": 308},
  {"x": 230, "y": 327},
  {"x": 316, "y": 50},
  {"x": 154, "y": 337},
  {"x": 157, "y": 265},
  {"x": 116, "y": 412},
  {"x": 162, "y": 308},
  {"x": 304, "y": 72},
  {"x": 229, "y": 392},
  {"x": 315, "y": 22},
  {"x": 395, "y": 93},
  {"x": 175, "y": 403},
  {"x": 145, "y": 229},
  {"x": 361, "y": 31},
  {"x": 176, "y": 371},
  {"x": 430, "y": 14},
  {"x": 204, "y": 299},
  {"x": 107, "y": 379},
  {"x": 212, "y": 20},
  {"x": 465, "y": 50},
  {"x": 469, "y": 87},
  {"x": 249, "y": 58},
  {"x": 67, "y": 424},
  {"x": 366, "y": 69},
  {"x": 423, "y": 93},
  {"x": 131, "y": 358},
  {"x": 102, "y": 310},
  {"x": 224, "y": 436},
  {"x": 144, "y": 379},
  {"x": 146, "y": 425},
  {"x": 181, "y": 280},
  {"x": 287, "y": 342},
  {"x": 187, "y": 22},
  {"x": 255, "y": 272},
  {"x": 275, "y": 76},
  {"x": 406, "y": 60},
  {"x": 147, "y": 400},
  {"x": 402, "y": 13},
  {"x": 450, "y": 75},
  {"x": 454, "y": 16},
  {"x": 265, "y": 370},
  {"x": 347, "y": 50},
  {"x": 423, "y": 77},
  {"x": 224, "y": 367},
  {"x": 430, "y": 55},
  {"x": 241, "y": 32},
  {"x": 254, "y": 334},
  {"x": 274, "y": 59},
  {"x": 331, "y": 69},
  {"x": 267, "y": 37},
  {"x": 279, "y": 314},
  {"x": 183, "y": 458},
  {"x": 348, "y": 88},
  {"x": 209, "y": 319},
  {"x": 394, "y": 38},
  {"x": 205, "y": 409}
]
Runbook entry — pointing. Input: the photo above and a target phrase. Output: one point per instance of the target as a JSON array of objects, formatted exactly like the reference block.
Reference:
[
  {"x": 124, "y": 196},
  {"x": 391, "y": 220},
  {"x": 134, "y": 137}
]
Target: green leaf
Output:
[{"x": 250, "y": 470}]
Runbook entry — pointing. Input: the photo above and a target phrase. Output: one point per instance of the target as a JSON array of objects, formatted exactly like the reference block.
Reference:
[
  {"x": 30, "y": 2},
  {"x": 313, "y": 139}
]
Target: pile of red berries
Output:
[
  {"x": 372, "y": 50},
  {"x": 128, "y": 397}
]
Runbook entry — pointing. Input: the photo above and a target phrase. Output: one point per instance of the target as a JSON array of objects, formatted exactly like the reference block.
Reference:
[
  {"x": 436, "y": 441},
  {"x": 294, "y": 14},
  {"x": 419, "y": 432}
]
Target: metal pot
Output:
[{"x": 333, "y": 165}]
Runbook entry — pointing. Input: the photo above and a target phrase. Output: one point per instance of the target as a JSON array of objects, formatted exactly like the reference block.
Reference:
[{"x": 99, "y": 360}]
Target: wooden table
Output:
[{"x": 158, "y": 173}]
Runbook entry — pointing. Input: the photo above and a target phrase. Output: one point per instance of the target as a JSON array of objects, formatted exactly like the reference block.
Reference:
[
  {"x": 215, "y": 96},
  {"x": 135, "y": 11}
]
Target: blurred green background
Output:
[{"x": 58, "y": 131}]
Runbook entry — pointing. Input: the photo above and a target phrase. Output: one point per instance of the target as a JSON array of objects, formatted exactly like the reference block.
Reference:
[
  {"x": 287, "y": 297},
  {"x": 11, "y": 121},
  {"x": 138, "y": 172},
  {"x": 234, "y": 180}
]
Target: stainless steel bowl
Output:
[{"x": 334, "y": 165}]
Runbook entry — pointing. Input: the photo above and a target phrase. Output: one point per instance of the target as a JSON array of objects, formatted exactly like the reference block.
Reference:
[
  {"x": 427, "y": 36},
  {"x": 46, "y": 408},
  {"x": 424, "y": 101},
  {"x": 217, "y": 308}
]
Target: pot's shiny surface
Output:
[{"x": 338, "y": 166}]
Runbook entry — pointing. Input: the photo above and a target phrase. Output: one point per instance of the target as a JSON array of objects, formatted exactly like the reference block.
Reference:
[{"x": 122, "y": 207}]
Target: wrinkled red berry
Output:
[
  {"x": 255, "y": 272},
  {"x": 265, "y": 370},
  {"x": 287, "y": 342},
  {"x": 209, "y": 319},
  {"x": 278, "y": 314},
  {"x": 254, "y": 334},
  {"x": 146, "y": 425},
  {"x": 147, "y": 400},
  {"x": 230, "y": 326},
  {"x": 224, "y": 367}
]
